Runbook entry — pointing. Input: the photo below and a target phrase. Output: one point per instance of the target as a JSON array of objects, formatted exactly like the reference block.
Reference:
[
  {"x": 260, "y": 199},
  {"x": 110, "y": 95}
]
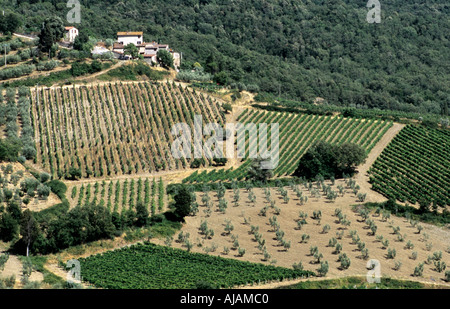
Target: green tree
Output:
[
  {"x": 221, "y": 78},
  {"x": 51, "y": 33},
  {"x": 329, "y": 160},
  {"x": 227, "y": 107},
  {"x": 9, "y": 227},
  {"x": 10, "y": 23},
  {"x": 131, "y": 50},
  {"x": 183, "y": 201},
  {"x": 80, "y": 41},
  {"x": 9, "y": 149},
  {"x": 29, "y": 229},
  {"x": 257, "y": 172},
  {"x": 165, "y": 58},
  {"x": 142, "y": 214}
]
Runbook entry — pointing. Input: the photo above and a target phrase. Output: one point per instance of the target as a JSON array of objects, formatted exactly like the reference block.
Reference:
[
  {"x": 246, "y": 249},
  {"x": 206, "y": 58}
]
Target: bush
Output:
[
  {"x": 188, "y": 76},
  {"x": 330, "y": 160},
  {"x": 418, "y": 270},
  {"x": 323, "y": 269},
  {"x": 9, "y": 149},
  {"x": 43, "y": 191},
  {"x": 58, "y": 187},
  {"x": 17, "y": 71},
  {"x": 345, "y": 261}
]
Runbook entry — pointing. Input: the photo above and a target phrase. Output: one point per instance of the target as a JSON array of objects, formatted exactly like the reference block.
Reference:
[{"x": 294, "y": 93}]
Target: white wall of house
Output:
[
  {"x": 71, "y": 34},
  {"x": 127, "y": 39}
]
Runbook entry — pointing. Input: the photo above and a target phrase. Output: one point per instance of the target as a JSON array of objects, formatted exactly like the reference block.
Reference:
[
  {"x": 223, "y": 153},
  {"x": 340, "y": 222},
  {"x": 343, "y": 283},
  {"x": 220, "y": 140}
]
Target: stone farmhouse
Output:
[
  {"x": 147, "y": 50},
  {"x": 70, "y": 33}
]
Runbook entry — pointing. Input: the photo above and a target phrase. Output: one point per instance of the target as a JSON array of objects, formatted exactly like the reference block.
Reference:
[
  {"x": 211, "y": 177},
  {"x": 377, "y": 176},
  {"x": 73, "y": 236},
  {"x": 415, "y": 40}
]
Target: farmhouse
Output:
[
  {"x": 126, "y": 38},
  {"x": 147, "y": 50},
  {"x": 71, "y": 33}
]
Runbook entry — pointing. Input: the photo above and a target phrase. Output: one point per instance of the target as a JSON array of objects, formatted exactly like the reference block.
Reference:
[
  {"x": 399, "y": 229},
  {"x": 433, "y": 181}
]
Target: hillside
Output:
[{"x": 295, "y": 49}]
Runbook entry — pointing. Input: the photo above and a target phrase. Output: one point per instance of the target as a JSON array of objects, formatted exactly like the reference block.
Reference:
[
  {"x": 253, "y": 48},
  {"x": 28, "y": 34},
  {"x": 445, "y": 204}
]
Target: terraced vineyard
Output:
[
  {"x": 114, "y": 129},
  {"x": 415, "y": 166},
  {"x": 120, "y": 195},
  {"x": 297, "y": 132}
]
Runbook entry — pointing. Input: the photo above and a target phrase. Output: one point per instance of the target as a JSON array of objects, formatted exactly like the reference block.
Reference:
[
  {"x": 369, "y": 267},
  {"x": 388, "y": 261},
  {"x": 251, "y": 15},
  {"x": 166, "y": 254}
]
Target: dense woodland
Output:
[{"x": 294, "y": 49}]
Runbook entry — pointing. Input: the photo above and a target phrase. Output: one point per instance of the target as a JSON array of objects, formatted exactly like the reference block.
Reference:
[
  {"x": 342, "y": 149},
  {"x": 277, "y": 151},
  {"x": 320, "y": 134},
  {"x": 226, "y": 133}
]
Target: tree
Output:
[
  {"x": 349, "y": 155},
  {"x": 227, "y": 107},
  {"x": 74, "y": 173},
  {"x": 10, "y": 23},
  {"x": 131, "y": 50},
  {"x": 142, "y": 214},
  {"x": 43, "y": 191},
  {"x": 8, "y": 227},
  {"x": 256, "y": 171},
  {"x": 80, "y": 41},
  {"x": 183, "y": 201},
  {"x": 51, "y": 33},
  {"x": 29, "y": 229},
  {"x": 165, "y": 58},
  {"x": 329, "y": 160},
  {"x": 221, "y": 78},
  {"x": 9, "y": 149}
]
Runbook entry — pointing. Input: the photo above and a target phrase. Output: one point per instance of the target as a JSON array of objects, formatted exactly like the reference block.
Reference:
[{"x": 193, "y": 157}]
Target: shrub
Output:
[
  {"x": 44, "y": 177},
  {"x": 305, "y": 238},
  {"x": 338, "y": 248},
  {"x": 440, "y": 266},
  {"x": 409, "y": 245},
  {"x": 323, "y": 269},
  {"x": 418, "y": 270},
  {"x": 326, "y": 228},
  {"x": 43, "y": 191},
  {"x": 345, "y": 261},
  {"x": 391, "y": 253},
  {"x": 397, "y": 265},
  {"x": 447, "y": 275}
]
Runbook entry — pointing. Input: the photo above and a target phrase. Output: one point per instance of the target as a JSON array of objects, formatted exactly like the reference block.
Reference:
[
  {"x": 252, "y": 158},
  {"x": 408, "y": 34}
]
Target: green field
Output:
[
  {"x": 415, "y": 166},
  {"x": 149, "y": 266},
  {"x": 297, "y": 132}
]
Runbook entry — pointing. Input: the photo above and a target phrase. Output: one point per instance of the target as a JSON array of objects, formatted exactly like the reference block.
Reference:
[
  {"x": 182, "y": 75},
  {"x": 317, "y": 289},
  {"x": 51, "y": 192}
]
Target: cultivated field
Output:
[
  {"x": 414, "y": 167},
  {"x": 297, "y": 132},
  {"x": 267, "y": 230},
  {"x": 108, "y": 130},
  {"x": 121, "y": 194}
]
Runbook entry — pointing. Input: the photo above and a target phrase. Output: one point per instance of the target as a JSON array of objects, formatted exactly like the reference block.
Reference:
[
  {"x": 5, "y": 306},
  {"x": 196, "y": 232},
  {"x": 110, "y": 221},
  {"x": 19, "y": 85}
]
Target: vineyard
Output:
[
  {"x": 297, "y": 133},
  {"x": 415, "y": 166},
  {"x": 120, "y": 195},
  {"x": 114, "y": 129},
  {"x": 149, "y": 266}
]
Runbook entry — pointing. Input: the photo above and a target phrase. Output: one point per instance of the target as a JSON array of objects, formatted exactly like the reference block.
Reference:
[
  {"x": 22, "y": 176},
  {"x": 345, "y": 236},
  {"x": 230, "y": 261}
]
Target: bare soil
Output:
[{"x": 300, "y": 252}]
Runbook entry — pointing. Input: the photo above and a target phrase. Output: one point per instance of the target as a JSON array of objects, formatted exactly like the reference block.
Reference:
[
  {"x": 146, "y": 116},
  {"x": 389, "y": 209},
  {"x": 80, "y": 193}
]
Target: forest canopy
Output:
[{"x": 295, "y": 49}]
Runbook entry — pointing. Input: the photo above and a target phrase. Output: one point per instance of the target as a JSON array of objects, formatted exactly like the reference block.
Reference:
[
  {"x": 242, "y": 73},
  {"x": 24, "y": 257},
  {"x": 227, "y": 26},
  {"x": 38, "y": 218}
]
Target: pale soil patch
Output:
[{"x": 13, "y": 267}]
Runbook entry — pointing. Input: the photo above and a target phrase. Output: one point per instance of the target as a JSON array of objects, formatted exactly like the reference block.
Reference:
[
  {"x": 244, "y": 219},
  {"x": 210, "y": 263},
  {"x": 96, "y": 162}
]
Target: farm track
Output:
[{"x": 362, "y": 178}]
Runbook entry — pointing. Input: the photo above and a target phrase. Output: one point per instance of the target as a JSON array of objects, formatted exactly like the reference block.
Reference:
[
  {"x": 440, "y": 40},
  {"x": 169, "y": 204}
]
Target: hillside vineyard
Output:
[
  {"x": 116, "y": 128},
  {"x": 297, "y": 133}
]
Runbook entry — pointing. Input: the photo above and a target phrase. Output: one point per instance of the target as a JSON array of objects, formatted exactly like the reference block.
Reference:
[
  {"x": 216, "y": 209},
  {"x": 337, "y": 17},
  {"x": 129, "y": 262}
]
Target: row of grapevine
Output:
[
  {"x": 120, "y": 195},
  {"x": 151, "y": 266},
  {"x": 297, "y": 132},
  {"x": 415, "y": 166},
  {"x": 115, "y": 129}
]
